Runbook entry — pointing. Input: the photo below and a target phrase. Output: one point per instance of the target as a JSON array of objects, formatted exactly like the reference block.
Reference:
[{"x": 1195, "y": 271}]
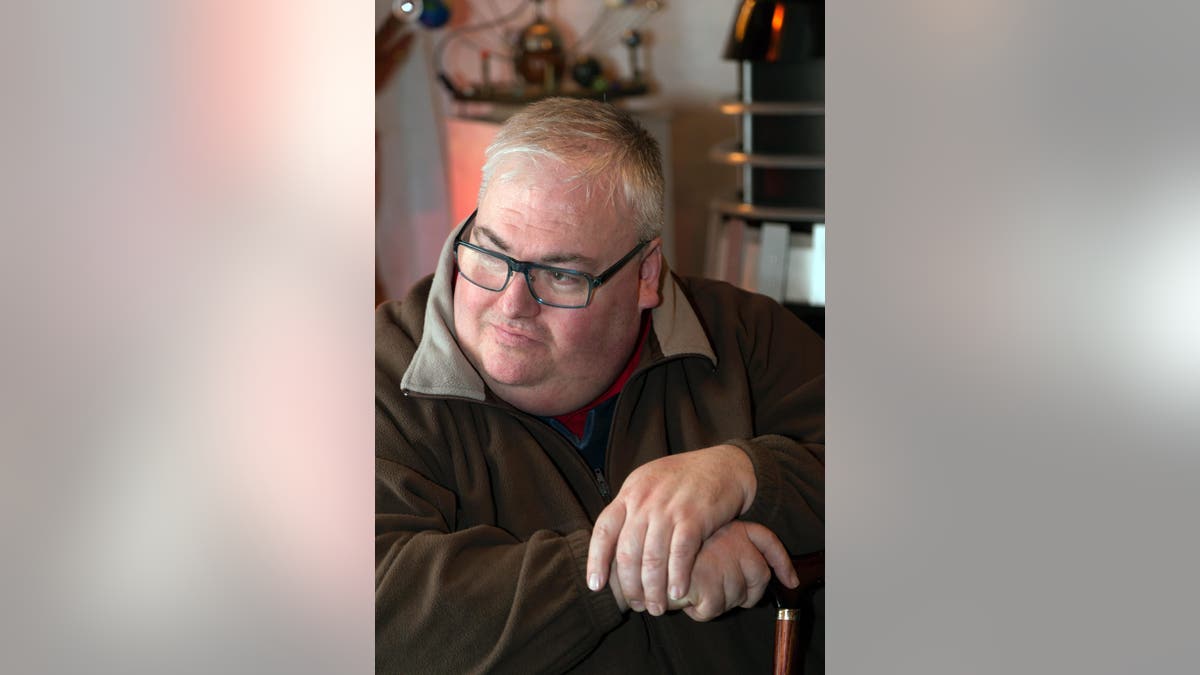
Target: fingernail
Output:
[
  {"x": 654, "y": 609},
  {"x": 594, "y": 581},
  {"x": 675, "y": 594},
  {"x": 636, "y": 606}
]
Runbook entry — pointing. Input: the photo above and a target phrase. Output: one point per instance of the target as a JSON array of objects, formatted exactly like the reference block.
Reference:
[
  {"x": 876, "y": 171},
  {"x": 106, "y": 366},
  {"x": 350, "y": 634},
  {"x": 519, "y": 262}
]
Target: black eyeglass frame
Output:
[{"x": 524, "y": 267}]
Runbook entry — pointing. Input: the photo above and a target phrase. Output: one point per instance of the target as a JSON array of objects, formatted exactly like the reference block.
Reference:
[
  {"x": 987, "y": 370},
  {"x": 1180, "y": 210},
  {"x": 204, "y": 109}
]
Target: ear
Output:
[{"x": 649, "y": 273}]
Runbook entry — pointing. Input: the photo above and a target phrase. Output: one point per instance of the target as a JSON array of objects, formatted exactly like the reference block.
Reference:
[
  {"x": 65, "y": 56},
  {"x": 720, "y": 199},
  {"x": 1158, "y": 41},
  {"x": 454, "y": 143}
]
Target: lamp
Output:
[{"x": 778, "y": 31}]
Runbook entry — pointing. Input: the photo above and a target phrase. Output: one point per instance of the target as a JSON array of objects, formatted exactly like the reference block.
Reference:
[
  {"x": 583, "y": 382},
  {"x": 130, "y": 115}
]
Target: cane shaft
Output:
[{"x": 785, "y": 643}]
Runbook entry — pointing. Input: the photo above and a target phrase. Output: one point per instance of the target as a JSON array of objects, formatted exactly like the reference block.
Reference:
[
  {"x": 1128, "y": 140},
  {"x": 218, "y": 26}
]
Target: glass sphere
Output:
[
  {"x": 539, "y": 48},
  {"x": 585, "y": 71}
]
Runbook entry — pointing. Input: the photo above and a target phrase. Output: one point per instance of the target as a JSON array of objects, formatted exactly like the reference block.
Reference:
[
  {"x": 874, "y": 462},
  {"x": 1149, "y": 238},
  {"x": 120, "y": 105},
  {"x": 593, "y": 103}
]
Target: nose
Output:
[{"x": 517, "y": 300}]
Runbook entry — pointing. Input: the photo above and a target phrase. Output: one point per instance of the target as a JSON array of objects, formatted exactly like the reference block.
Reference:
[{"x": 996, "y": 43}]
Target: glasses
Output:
[{"x": 551, "y": 286}]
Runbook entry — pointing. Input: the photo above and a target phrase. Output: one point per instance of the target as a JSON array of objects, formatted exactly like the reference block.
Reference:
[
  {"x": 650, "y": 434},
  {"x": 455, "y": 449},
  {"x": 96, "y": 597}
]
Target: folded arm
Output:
[
  {"x": 476, "y": 599},
  {"x": 667, "y": 509}
]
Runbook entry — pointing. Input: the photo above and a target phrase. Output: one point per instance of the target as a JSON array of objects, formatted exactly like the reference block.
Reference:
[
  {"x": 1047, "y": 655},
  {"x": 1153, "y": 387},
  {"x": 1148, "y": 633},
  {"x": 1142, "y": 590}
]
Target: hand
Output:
[
  {"x": 651, "y": 532},
  {"x": 733, "y": 569}
]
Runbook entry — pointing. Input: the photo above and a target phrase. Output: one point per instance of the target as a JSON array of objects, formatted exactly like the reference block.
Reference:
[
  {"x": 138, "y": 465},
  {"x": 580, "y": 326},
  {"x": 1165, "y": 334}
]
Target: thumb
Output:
[{"x": 775, "y": 554}]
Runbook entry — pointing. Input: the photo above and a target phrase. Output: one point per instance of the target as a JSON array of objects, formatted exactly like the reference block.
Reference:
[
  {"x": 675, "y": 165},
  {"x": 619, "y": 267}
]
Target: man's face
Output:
[{"x": 550, "y": 360}]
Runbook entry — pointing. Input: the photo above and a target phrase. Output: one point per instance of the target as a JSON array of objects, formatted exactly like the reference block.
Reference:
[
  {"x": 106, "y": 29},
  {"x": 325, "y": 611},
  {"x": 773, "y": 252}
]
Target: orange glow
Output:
[
  {"x": 776, "y": 32},
  {"x": 743, "y": 19}
]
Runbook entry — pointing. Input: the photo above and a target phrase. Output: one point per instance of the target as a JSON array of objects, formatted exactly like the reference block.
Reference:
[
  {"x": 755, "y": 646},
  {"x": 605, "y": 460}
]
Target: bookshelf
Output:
[{"x": 768, "y": 235}]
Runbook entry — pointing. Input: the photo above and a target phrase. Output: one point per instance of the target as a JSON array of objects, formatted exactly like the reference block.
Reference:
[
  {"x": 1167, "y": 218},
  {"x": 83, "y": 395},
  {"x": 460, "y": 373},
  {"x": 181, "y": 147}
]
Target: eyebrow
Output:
[{"x": 549, "y": 259}]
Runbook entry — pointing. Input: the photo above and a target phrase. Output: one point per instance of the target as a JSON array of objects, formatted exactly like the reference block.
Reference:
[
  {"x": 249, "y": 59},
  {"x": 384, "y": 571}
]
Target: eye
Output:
[{"x": 566, "y": 280}]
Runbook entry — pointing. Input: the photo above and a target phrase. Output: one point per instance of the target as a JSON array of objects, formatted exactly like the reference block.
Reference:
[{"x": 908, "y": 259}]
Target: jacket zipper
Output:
[
  {"x": 605, "y": 492},
  {"x": 601, "y": 482}
]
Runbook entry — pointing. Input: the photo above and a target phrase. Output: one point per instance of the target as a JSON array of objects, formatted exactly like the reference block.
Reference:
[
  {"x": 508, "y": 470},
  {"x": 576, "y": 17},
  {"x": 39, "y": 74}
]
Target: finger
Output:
[
  {"x": 629, "y": 562},
  {"x": 734, "y": 585},
  {"x": 757, "y": 575},
  {"x": 685, "y": 544},
  {"x": 703, "y": 577},
  {"x": 709, "y": 606},
  {"x": 776, "y": 555},
  {"x": 614, "y": 585},
  {"x": 604, "y": 541},
  {"x": 654, "y": 566}
]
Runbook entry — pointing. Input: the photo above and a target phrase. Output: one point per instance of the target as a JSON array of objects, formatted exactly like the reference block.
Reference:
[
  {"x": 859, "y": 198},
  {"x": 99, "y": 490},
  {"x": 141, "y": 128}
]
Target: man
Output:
[{"x": 581, "y": 458}]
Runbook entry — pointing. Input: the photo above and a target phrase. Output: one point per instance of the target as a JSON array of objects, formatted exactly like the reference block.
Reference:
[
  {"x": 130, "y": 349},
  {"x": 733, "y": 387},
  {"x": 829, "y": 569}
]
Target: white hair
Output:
[{"x": 601, "y": 148}]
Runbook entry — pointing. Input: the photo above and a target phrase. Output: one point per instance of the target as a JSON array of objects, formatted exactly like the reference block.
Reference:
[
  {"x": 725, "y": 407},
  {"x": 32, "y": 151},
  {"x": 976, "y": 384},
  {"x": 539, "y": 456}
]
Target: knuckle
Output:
[
  {"x": 757, "y": 582},
  {"x": 629, "y": 576},
  {"x": 601, "y": 530},
  {"x": 758, "y": 576},
  {"x": 653, "y": 562},
  {"x": 685, "y": 547},
  {"x": 740, "y": 597}
]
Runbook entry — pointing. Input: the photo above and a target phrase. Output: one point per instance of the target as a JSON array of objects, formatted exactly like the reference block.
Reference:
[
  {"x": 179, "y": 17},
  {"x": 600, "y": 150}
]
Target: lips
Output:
[{"x": 515, "y": 337}]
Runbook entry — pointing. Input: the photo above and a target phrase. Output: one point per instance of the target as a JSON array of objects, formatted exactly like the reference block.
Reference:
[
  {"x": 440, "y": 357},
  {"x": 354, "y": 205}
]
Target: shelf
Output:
[
  {"x": 514, "y": 94},
  {"x": 729, "y": 152},
  {"x": 733, "y": 107},
  {"x": 733, "y": 207}
]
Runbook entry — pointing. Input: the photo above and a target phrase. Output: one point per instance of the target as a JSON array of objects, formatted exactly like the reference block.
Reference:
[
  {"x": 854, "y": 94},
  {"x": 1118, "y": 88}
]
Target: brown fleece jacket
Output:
[{"x": 484, "y": 512}]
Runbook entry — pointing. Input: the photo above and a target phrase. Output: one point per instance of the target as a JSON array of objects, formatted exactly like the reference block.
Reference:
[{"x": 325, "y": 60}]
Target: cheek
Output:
[
  {"x": 572, "y": 335},
  {"x": 467, "y": 309},
  {"x": 591, "y": 342}
]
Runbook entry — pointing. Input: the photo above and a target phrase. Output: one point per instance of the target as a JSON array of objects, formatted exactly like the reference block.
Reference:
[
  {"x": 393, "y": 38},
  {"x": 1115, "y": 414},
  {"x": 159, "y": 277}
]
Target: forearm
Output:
[
  {"x": 789, "y": 496},
  {"x": 458, "y": 597},
  {"x": 476, "y": 600},
  {"x": 787, "y": 445}
]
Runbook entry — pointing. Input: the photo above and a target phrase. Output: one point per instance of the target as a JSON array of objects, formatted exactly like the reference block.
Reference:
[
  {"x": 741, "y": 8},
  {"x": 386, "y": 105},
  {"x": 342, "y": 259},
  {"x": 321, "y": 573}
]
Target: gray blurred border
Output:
[{"x": 1013, "y": 337}]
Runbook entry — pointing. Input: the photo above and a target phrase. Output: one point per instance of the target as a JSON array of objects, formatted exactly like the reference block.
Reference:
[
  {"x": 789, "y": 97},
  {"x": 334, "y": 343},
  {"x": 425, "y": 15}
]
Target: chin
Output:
[{"x": 504, "y": 371}]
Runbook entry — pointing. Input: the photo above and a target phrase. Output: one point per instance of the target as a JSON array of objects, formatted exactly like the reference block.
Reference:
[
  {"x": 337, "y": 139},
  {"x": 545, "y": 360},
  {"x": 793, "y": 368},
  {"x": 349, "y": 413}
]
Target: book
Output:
[
  {"x": 773, "y": 256},
  {"x": 817, "y": 296},
  {"x": 747, "y": 276},
  {"x": 799, "y": 268}
]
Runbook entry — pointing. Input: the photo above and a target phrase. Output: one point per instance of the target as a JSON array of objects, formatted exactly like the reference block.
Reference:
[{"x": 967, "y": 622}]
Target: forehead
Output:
[{"x": 531, "y": 204}]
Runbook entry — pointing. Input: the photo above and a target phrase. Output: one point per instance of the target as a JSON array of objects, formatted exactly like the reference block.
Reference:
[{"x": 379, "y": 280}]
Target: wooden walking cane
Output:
[{"x": 793, "y": 623}]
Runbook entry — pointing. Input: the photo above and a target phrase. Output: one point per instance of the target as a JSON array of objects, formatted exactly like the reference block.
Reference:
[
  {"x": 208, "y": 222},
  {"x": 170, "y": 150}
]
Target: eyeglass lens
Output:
[{"x": 550, "y": 286}]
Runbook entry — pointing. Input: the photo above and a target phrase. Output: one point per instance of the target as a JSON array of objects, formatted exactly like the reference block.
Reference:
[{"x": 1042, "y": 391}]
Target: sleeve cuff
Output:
[
  {"x": 767, "y": 471},
  {"x": 601, "y": 606}
]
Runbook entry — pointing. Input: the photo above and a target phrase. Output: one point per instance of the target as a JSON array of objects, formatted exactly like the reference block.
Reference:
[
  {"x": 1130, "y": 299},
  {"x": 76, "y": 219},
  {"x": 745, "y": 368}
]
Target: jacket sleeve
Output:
[
  {"x": 785, "y": 369},
  {"x": 470, "y": 599}
]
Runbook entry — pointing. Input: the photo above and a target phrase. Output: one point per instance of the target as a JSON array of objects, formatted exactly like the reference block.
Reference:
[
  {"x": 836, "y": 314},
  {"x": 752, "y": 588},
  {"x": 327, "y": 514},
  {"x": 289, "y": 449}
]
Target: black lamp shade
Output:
[{"x": 777, "y": 31}]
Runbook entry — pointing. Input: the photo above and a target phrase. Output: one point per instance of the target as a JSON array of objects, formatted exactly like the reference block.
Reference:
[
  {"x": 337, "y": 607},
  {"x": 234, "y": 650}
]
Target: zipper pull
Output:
[{"x": 602, "y": 484}]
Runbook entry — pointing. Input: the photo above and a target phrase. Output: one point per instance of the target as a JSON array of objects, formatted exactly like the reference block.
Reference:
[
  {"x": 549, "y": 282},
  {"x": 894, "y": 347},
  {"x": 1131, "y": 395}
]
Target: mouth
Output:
[{"x": 513, "y": 336}]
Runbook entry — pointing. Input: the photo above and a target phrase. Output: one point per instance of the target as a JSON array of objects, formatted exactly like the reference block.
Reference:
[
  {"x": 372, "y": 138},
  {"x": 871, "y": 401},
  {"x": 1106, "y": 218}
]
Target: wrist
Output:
[{"x": 743, "y": 473}]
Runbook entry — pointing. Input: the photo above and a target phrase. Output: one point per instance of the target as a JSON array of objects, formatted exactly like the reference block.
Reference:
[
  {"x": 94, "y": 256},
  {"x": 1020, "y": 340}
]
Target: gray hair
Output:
[{"x": 602, "y": 147}]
